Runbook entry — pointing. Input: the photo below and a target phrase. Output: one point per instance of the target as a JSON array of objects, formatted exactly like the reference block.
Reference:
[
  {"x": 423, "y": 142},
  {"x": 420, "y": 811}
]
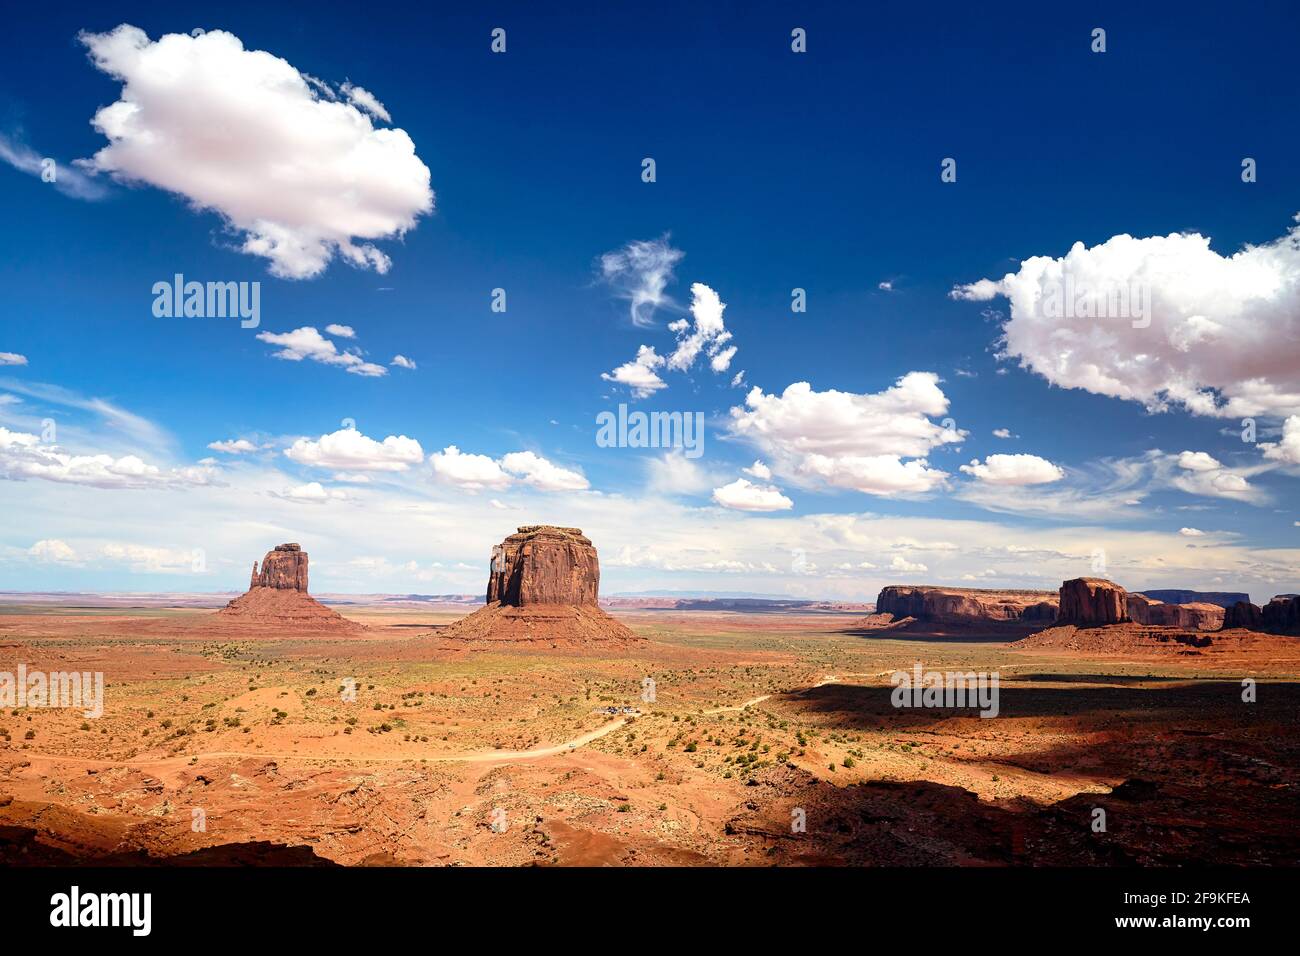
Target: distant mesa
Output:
[
  {"x": 1225, "y": 599},
  {"x": 1244, "y": 614},
  {"x": 543, "y": 586},
  {"x": 1281, "y": 615},
  {"x": 959, "y": 606},
  {"x": 277, "y": 597}
]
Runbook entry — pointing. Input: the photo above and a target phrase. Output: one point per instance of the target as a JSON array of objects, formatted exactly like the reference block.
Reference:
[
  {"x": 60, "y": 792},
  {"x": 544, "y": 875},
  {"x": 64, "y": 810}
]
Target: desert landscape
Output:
[{"x": 546, "y": 727}]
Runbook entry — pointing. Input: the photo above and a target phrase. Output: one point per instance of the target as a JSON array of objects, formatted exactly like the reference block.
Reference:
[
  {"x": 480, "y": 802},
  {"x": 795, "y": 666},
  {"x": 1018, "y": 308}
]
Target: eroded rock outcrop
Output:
[
  {"x": 544, "y": 587},
  {"x": 1281, "y": 615},
  {"x": 1244, "y": 614},
  {"x": 966, "y": 605},
  {"x": 284, "y": 568},
  {"x": 1092, "y": 601},
  {"x": 1198, "y": 616},
  {"x": 277, "y": 597}
]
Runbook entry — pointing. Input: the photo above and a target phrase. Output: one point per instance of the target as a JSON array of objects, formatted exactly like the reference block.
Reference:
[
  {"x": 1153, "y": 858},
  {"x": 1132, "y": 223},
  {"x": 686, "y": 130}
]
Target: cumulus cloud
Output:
[
  {"x": 1191, "y": 532},
  {"x": 1287, "y": 450},
  {"x": 759, "y": 470},
  {"x": 851, "y": 440},
  {"x": 234, "y": 446},
  {"x": 899, "y": 563},
  {"x": 1224, "y": 331},
  {"x": 639, "y": 375},
  {"x": 341, "y": 331},
  {"x": 532, "y": 469},
  {"x": 301, "y": 175},
  {"x": 640, "y": 272},
  {"x": 52, "y": 551},
  {"x": 401, "y": 361},
  {"x": 12, "y": 358},
  {"x": 469, "y": 471},
  {"x": 477, "y": 472},
  {"x": 1014, "y": 470},
  {"x": 24, "y": 455},
  {"x": 349, "y": 450},
  {"x": 705, "y": 331},
  {"x": 307, "y": 343},
  {"x": 744, "y": 495},
  {"x": 313, "y": 492},
  {"x": 1002, "y": 433}
]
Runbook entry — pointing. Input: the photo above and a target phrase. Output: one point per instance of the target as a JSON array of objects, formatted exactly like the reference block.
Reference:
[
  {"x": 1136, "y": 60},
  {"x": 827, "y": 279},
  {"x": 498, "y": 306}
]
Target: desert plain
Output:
[{"x": 397, "y": 744}]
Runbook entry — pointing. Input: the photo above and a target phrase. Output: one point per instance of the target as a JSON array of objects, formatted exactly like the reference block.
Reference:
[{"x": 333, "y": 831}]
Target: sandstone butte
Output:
[
  {"x": 543, "y": 586},
  {"x": 277, "y": 596}
]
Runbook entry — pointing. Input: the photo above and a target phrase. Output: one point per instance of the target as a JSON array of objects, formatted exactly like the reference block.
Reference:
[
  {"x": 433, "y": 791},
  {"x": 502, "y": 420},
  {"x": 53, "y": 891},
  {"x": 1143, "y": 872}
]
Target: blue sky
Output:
[{"x": 775, "y": 170}]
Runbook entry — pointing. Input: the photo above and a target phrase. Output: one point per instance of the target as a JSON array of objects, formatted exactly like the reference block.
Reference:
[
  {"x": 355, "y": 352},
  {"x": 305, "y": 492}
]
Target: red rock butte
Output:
[
  {"x": 277, "y": 597},
  {"x": 543, "y": 586}
]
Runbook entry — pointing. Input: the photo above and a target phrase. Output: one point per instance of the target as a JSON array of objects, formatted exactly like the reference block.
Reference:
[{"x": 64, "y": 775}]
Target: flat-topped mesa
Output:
[
  {"x": 1225, "y": 599},
  {"x": 962, "y": 605},
  {"x": 1192, "y": 616},
  {"x": 284, "y": 568},
  {"x": 1092, "y": 602},
  {"x": 544, "y": 564}
]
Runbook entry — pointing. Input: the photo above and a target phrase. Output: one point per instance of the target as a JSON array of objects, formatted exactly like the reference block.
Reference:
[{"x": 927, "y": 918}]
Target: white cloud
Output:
[
  {"x": 1014, "y": 470},
  {"x": 1191, "y": 532},
  {"x": 307, "y": 343},
  {"x": 1222, "y": 334},
  {"x": 23, "y": 455},
  {"x": 1198, "y": 461},
  {"x": 246, "y": 135},
  {"x": 52, "y": 551},
  {"x": 68, "y": 179},
  {"x": 899, "y": 563},
  {"x": 401, "y": 361},
  {"x": 313, "y": 492},
  {"x": 639, "y": 374},
  {"x": 341, "y": 331},
  {"x": 708, "y": 333},
  {"x": 1002, "y": 433},
  {"x": 744, "y": 495},
  {"x": 472, "y": 472},
  {"x": 532, "y": 469},
  {"x": 349, "y": 450},
  {"x": 850, "y": 440},
  {"x": 885, "y": 286},
  {"x": 235, "y": 446},
  {"x": 148, "y": 560},
  {"x": 759, "y": 470},
  {"x": 12, "y": 358},
  {"x": 365, "y": 100},
  {"x": 640, "y": 272},
  {"x": 1287, "y": 450},
  {"x": 476, "y": 472}
]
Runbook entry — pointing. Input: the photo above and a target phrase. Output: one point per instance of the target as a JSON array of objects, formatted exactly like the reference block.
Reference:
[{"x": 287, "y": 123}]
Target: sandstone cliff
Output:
[
  {"x": 1244, "y": 614},
  {"x": 1225, "y": 599},
  {"x": 1092, "y": 601},
  {"x": 284, "y": 568},
  {"x": 1281, "y": 615}
]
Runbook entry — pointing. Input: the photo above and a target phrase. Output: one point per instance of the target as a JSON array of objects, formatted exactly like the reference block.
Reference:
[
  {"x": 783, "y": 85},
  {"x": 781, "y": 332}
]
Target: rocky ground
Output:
[{"x": 216, "y": 747}]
